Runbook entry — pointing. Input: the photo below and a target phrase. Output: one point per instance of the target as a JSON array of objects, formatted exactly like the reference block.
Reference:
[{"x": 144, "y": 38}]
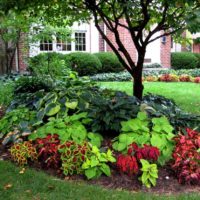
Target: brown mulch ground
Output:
[{"x": 166, "y": 183}]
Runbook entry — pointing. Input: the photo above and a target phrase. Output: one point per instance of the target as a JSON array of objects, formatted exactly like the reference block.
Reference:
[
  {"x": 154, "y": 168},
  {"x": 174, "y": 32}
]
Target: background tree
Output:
[{"x": 145, "y": 20}]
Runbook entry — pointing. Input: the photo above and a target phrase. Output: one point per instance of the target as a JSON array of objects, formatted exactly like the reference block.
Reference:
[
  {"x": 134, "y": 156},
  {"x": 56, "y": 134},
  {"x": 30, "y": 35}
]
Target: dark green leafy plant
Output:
[
  {"x": 107, "y": 113},
  {"x": 95, "y": 165},
  {"x": 157, "y": 106}
]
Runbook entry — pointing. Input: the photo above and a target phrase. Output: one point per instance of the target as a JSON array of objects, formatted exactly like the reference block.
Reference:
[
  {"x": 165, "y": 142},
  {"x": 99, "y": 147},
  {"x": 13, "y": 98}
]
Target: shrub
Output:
[
  {"x": 151, "y": 78},
  {"x": 169, "y": 78},
  {"x": 185, "y": 78},
  {"x": 197, "y": 80},
  {"x": 198, "y": 57},
  {"x": 73, "y": 155},
  {"x": 52, "y": 64},
  {"x": 22, "y": 152},
  {"x": 109, "y": 61},
  {"x": 184, "y": 60},
  {"x": 186, "y": 157},
  {"x": 83, "y": 63},
  {"x": 153, "y": 65},
  {"x": 48, "y": 153}
]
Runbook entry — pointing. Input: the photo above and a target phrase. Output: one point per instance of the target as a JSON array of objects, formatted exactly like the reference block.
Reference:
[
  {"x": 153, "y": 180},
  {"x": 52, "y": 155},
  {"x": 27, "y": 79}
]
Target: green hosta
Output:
[
  {"x": 95, "y": 165},
  {"x": 149, "y": 173},
  {"x": 138, "y": 130},
  {"x": 54, "y": 104},
  {"x": 69, "y": 128}
]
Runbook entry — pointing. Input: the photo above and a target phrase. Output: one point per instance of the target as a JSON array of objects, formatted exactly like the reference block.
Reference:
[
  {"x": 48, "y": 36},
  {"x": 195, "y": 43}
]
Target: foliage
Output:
[
  {"x": 197, "y": 80},
  {"x": 95, "y": 165},
  {"x": 83, "y": 63},
  {"x": 150, "y": 173},
  {"x": 185, "y": 78},
  {"x": 120, "y": 76},
  {"x": 151, "y": 78},
  {"x": 16, "y": 124},
  {"x": 169, "y": 78},
  {"x": 146, "y": 152},
  {"x": 73, "y": 155},
  {"x": 127, "y": 164},
  {"x": 52, "y": 64},
  {"x": 153, "y": 65},
  {"x": 107, "y": 113},
  {"x": 186, "y": 157},
  {"x": 184, "y": 60},
  {"x": 68, "y": 128},
  {"x": 156, "y": 106},
  {"x": 109, "y": 61},
  {"x": 47, "y": 149},
  {"x": 22, "y": 152},
  {"x": 6, "y": 93},
  {"x": 137, "y": 130}
]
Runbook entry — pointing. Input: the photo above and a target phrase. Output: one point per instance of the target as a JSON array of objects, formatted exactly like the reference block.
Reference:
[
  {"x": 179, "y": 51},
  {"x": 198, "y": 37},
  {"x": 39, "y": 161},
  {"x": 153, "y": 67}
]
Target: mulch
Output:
[{"x": 166, "y": 183}]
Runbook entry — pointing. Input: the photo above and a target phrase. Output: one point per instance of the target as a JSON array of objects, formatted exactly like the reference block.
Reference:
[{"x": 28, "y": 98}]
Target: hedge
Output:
[
  {"x": 110, "y": 62},
  {"x": 83, "y": 63},
  {"x": 184, "y": 60}
]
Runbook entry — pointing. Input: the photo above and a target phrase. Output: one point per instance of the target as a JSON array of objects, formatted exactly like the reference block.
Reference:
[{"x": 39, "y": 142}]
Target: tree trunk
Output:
[
  {"x": 137, "y": 76},
  {"x": 137, "y": 84}
]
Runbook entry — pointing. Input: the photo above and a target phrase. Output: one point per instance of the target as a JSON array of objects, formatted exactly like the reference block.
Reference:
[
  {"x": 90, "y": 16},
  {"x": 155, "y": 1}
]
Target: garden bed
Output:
[{"x": 167, "y": 183}]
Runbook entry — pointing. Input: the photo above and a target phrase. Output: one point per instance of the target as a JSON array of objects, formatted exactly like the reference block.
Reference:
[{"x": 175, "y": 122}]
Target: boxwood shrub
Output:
[
  {"x": 47, "y": 63},
  {"x": 83, "y": 63},
  {"x": 184, "y": 60},
  {"x": 110, "y": 62}
]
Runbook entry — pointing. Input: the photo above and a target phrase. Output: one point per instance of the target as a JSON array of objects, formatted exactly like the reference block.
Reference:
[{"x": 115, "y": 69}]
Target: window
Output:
[
  {"x": 62, "y": 45},
  {"x": 80, "y": 41},
  {"x": 46, "y": 45}
]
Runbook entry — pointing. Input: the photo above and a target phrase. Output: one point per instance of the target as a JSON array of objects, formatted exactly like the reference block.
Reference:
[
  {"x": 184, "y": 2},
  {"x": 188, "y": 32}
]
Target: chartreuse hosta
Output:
[
  {"x": 96, "y": 164},
  {"x": 69, "y": 128},
  {"x": 138, "y": 130}
]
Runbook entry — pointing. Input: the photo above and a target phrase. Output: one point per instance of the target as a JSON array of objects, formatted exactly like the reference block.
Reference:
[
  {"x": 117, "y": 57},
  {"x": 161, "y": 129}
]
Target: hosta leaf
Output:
[
  {"x": 52, "y": 109},
  {"x": 71, "y": 105}
]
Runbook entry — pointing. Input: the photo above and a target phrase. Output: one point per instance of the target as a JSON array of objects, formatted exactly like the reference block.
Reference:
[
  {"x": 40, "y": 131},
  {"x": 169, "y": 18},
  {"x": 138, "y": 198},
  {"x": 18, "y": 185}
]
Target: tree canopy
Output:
[{"x": 145, "y": 20}]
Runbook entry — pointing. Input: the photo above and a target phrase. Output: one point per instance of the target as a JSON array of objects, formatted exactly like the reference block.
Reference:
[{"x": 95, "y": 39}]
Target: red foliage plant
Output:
[
  {"x": 187, "y": 157},
  {"x": 48, "y": 152},
  {"x": 197, "y": 80},
  {"x": 129, "y": 163}
]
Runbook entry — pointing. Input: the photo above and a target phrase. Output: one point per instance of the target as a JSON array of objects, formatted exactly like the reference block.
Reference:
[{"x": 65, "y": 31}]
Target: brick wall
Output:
[
  {"x": 126, "y": 40},
  {"x": 165, "y": 51},
  {"x": 101, "y": 40},
  {"x": 196, "y": 48}
]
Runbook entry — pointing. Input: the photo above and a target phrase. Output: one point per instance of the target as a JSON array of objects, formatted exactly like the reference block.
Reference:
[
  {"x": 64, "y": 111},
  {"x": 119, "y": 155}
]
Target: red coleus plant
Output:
[
  {"x": 197, "y": 80},
  {"x": 129, "y": 163},
  {"x": 48, "y": 152},
  {"x": 146, "y": 152},
  {"x": 187, "y": 157}
]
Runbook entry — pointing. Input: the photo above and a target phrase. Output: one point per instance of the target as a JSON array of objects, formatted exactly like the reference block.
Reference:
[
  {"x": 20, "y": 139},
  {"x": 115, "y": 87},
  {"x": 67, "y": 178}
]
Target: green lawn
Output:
[
  {"x": 34, "y": 185},
  {"x": 186, "y": 95}
]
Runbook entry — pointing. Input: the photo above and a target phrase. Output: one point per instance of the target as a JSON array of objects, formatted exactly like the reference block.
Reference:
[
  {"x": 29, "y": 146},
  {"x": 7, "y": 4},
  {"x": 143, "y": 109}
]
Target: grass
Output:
[
  {"x": 34, "y": 185},
  {"x": 186, "y": 95}
]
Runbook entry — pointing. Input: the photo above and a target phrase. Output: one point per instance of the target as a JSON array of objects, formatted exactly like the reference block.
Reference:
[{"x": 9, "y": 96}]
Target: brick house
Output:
[{"x": 87, "y": 39}]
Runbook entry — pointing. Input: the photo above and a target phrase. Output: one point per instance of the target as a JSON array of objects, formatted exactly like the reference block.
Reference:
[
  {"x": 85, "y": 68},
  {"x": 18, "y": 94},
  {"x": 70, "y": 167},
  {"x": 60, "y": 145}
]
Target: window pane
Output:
[{"x": 80, "y": 41}]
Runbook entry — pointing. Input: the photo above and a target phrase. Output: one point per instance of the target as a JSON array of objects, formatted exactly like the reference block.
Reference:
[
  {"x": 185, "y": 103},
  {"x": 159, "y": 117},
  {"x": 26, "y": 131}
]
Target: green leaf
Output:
[
  {"x": 52, "y": 109},
  {"x": 90, "y": 173},
  {"x": 72, "y": 105},
  {"x": 105, "y": 169}
]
